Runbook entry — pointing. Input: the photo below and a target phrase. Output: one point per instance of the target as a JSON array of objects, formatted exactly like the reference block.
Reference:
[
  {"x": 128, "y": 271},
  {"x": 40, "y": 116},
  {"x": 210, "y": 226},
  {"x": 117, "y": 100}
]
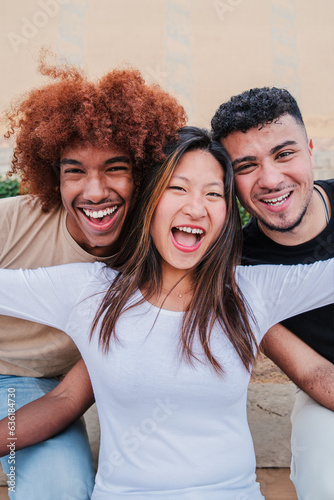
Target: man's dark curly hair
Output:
[
  {"x": 119, "y": 110},
  {"x": 254, "y": 107}
]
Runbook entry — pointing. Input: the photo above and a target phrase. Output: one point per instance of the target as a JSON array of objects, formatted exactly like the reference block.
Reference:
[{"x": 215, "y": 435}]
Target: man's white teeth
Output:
[
  {"x": 277, "y": 201},
  {"x": 190, "y": 230},
  {"x": 100, "y": 214}
]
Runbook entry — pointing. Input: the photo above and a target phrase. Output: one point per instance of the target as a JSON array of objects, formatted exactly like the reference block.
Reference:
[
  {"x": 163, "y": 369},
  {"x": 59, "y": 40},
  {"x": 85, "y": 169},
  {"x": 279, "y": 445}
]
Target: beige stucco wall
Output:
[{"x": 203, "y": 51}]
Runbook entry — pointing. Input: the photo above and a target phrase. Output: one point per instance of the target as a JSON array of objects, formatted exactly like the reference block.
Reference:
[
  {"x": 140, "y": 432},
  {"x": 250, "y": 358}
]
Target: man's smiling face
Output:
[
  {"x": 97, "y": 190},
  {"x": 273, "y": 172}
]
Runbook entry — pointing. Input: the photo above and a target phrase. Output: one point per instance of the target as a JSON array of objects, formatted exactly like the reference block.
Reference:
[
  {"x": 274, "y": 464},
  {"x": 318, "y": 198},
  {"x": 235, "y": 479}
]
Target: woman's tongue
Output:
[{"x": 184, "y": 238}]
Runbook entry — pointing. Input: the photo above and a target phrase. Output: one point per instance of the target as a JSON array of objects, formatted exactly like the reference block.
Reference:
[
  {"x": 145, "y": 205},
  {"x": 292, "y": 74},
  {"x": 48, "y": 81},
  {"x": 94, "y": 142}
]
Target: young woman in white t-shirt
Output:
[{"x": 169, "y": 338}]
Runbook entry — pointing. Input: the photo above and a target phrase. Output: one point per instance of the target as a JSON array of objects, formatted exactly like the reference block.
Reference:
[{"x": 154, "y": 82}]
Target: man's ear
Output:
[{"x": 310, "y": 149}]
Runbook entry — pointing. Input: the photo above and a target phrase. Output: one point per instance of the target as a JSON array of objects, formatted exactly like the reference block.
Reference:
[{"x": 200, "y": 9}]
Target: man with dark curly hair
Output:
[
  {"x": 265, "y": 136},
  {"x": 82, "y": 150}
]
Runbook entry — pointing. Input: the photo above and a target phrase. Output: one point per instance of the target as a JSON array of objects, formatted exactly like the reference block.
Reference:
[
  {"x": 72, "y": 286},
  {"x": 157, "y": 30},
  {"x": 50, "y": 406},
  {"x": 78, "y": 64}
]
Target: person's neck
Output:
[
  {"x": 312, "y": 224},
  {"x": 175, "y": 294}
]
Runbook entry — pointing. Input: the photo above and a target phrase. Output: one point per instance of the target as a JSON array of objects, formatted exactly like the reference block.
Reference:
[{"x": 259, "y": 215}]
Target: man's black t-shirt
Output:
[{"x": 316, "y": 327}]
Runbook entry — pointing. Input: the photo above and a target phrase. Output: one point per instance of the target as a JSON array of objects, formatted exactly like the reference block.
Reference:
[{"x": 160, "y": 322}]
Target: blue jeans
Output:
[{"x": 58, "y": 469}]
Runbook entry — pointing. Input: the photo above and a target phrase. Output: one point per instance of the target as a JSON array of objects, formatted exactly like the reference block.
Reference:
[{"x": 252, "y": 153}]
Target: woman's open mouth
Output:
[{"x": 186, "y": 238}]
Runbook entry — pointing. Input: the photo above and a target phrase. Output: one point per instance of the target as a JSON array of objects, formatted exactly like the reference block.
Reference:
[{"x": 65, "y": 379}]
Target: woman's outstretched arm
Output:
[{"x": 50, "y": 414}]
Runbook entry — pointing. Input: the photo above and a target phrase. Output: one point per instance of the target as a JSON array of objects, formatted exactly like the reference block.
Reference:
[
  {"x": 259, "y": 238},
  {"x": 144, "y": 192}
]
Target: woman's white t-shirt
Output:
[{"x": 169, "y": 429}]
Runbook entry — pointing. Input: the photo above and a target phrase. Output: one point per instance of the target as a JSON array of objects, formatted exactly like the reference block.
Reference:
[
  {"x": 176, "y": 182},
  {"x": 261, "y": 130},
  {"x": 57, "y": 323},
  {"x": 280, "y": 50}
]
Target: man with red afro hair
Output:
[{"x": 82, "y": 150}]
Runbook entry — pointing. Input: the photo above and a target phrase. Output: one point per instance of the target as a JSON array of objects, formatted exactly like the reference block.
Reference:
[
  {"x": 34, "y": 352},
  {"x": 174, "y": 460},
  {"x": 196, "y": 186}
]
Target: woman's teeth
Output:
[
  {"x": 190, "y": 230},
  {"x": 100, "y": 214}
]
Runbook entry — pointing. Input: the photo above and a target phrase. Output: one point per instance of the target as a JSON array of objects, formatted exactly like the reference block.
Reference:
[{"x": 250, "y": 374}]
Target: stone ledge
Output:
[
  {"x": 269, "y": 408},
  {"x": 93, "y": 431}
]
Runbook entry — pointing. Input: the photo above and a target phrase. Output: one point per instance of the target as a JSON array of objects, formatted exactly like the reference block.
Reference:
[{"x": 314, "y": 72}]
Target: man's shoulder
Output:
[
  {"x": 256, "y": 245},
  {"x": 13, "y": 202},
  {"x": 26, "y": 206},
  {"x": 25, "y": 223},
  {"x": 327, "y": 182},
  {"x": 328, "y": 186},
  {"x": 24, "y": 202},
  {"x": 250, "y": 229}
]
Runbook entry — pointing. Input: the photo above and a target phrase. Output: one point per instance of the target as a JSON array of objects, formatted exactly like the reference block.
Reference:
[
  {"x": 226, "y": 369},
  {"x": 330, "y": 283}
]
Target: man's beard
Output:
[{"x": 283, "y": 229}]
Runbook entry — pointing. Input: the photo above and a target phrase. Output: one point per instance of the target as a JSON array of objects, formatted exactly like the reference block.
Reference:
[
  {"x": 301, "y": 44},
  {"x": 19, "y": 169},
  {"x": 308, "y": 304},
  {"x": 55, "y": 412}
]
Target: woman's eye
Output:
[
  {"x": 215, "y": 194},
  {"x": 178, "y": 188}
]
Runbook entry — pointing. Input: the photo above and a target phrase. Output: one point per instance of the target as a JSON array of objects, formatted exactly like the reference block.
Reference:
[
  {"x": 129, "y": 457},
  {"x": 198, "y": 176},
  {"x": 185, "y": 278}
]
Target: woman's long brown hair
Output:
[{"x": 216, "y": 297}]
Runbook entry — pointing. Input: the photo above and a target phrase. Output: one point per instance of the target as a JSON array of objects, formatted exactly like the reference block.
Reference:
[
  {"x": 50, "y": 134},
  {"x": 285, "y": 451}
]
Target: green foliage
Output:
[
  {"x": 245, "y": 216},
  {"x": 9, "y": 187}
]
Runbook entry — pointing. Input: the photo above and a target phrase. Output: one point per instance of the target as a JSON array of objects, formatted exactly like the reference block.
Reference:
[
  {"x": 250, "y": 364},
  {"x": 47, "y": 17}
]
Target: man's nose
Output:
[
  {"x": 96, "y": 189},
  {"x": 271, "y": 176}
]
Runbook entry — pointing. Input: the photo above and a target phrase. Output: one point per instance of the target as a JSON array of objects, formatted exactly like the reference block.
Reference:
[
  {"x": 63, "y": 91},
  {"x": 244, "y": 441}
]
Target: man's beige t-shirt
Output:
[{"x": 30, "y": 238}]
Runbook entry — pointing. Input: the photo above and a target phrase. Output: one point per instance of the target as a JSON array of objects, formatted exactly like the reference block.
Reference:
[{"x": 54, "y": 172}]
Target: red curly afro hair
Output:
[{"x": 118, "y": 110}]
